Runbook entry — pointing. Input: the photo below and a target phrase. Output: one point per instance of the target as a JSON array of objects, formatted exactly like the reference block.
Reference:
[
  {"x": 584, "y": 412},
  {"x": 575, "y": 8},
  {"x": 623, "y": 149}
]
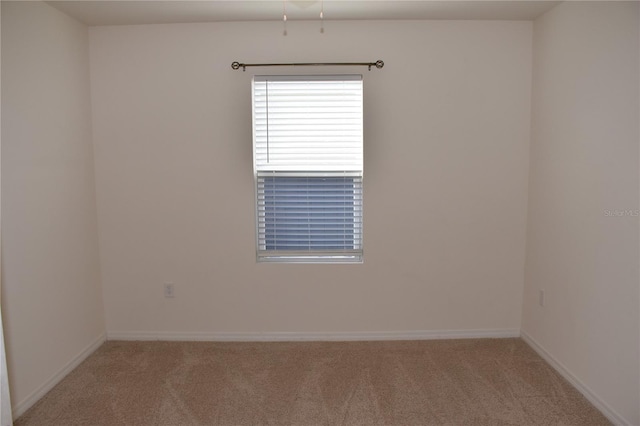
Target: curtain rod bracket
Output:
[{"x": 378, "y": 64}]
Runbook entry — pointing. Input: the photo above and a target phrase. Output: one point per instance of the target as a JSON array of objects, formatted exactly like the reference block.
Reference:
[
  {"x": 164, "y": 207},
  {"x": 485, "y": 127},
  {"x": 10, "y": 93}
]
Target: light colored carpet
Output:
[{"x": 437, "y": 382}]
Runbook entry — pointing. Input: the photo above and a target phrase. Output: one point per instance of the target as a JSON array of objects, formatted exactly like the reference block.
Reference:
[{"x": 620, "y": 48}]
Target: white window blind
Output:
[{"x": 307, "y": 133}]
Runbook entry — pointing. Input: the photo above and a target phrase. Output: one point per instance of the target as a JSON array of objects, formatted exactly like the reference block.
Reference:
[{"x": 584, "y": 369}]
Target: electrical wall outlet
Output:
[
  {"x": 541, "y": 298},
  {"x": 168, "y": 290}
]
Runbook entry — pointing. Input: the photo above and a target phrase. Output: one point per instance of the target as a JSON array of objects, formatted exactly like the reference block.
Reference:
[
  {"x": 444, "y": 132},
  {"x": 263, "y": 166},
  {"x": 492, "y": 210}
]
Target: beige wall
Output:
[
  {"x": 5, "y": 397},
  {"x": 51, "y": 297},
  {"x": 446, "y": 159},
  {"x": 584, "y": 171}
]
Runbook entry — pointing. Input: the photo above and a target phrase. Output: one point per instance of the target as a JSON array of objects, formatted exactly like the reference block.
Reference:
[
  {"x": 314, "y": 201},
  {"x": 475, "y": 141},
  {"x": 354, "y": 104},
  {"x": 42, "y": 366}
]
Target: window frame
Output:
[{"x": 354, "y": 255}]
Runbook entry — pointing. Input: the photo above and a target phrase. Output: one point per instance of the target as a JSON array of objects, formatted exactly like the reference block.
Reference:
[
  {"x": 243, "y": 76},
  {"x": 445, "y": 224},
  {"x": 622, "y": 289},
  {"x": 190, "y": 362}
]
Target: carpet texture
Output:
[{"x": 436, "y": 382}]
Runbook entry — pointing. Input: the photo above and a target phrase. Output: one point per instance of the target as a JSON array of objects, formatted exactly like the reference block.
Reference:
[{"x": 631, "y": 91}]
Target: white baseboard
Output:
[
  {"x": 21, "y": 407},
  {"x": 311, "y": 336},
  {"x": 604, "y": 408}
]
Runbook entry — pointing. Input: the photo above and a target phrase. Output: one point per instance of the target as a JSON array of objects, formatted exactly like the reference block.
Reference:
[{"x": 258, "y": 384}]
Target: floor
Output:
[{"x": 436, "y": 382}]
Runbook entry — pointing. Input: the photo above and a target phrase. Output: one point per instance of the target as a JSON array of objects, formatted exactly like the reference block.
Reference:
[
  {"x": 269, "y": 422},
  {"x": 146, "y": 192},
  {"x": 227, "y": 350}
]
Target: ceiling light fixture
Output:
[
  {"x": 284, "y": 17},
  {"x": 302, "y": 4}
]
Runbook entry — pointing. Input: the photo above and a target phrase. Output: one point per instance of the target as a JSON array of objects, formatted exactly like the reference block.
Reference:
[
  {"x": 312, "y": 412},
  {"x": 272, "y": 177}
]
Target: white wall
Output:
[
  {"x": 584, "y": 171},
  {"x": 51, "y": 296},
  {"x": 6, "y": 417},
  {"x": 446, "y": 160}
]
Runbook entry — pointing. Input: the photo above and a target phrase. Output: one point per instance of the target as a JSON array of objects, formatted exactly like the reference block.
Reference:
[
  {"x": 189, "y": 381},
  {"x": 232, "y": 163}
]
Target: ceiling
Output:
[{"x": 120, "y": 12}]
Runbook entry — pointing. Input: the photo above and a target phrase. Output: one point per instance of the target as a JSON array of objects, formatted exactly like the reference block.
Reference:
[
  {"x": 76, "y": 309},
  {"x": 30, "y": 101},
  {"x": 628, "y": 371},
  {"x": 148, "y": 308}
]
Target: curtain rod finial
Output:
[{"x": 236, "y": 65}]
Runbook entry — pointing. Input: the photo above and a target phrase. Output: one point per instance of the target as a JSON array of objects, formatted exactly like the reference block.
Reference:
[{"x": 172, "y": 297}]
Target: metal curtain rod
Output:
[{"x": 378, "y": 64}]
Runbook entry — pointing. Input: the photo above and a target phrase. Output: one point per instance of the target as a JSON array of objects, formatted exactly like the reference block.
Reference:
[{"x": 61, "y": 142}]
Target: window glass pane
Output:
[{"x": 314, "y": 213}]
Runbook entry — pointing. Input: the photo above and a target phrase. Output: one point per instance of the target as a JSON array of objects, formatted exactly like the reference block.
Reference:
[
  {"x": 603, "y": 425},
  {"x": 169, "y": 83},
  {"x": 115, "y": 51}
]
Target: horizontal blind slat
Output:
[
  {"x": 298, "y": 212},
  {"x": 307, "y": 123}
]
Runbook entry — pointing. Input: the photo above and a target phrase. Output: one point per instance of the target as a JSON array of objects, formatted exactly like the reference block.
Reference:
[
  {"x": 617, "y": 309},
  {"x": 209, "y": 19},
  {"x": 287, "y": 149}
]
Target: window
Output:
[{"x": 307, "y": 158}]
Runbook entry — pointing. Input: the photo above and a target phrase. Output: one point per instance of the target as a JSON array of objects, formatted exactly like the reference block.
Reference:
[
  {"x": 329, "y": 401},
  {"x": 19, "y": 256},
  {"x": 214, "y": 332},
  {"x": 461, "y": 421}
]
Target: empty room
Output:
[{"x": 320, "y": 212}]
